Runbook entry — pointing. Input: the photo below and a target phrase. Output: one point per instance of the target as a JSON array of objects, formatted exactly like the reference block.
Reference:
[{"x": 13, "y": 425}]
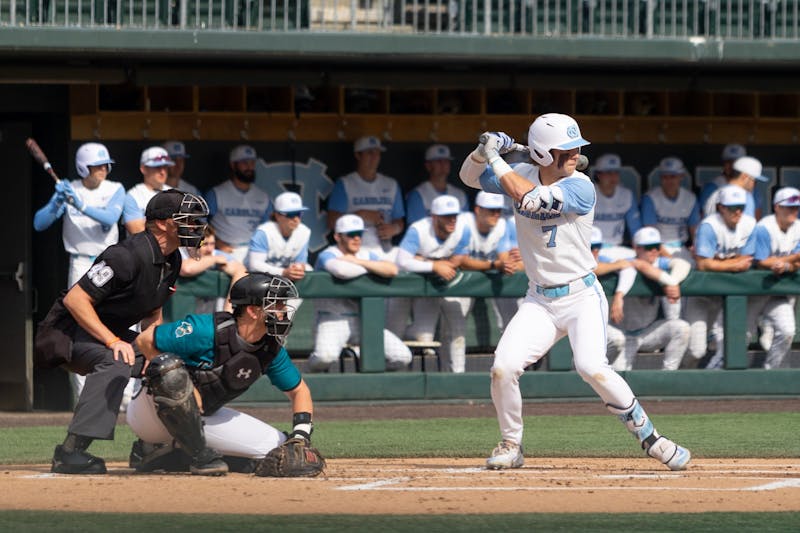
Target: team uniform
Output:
[
  {"x": 710, "y": 205},
  {"x": 185, "y": 186},
  {"x": 236, "y": 214},
  {"x": 715, "y": 240},
  {"x": 778, "y": 311},
  {"x": 352, "y": 193},
  {"x": 418, "y": 200},
  {"x": 612, "y": 215},
  {"x": 136, "y": 201},
  {"x": 270, "y": 252},
  {"x": 672, "y": 217},
  {"x": 644, "y": 330},
  {"x": 210, "y": 347},
  {"x": 554, "y": 225},
  {"x": 421, "y": 240},
  {"x": 338, "y": 319}
]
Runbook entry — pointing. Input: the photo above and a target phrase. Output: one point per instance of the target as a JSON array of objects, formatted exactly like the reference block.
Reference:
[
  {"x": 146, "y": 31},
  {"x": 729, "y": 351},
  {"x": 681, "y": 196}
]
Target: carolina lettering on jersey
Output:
[
  {"x": 372, "y": 200},
  {"x": 538, "y": 216},
  {"x": 239, "y": 212},
  {"x": 610, "y": 217}
]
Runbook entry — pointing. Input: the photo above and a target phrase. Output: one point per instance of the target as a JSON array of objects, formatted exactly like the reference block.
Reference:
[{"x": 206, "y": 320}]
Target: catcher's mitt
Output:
[{"x": 294, "y": 458}]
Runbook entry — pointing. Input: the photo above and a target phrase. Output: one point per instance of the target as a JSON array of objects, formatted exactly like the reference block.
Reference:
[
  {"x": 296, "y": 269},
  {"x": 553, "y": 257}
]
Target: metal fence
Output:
[{"x": 612, "y": 19}]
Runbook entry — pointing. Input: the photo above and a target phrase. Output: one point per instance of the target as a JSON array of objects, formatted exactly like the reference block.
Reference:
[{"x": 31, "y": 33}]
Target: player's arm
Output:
[
  {"x": 155, "y": 317},
  {"x": 740, "y": 263},
  {"x": 108, "y": 214},
  {"x": 146, "y": 342},
  {"x": 300, "y": 397},
  {"x": 50, "y": 212},
  {"x": 194, "y": 267},
  {"x": 473, "y": 263},
  {"x": 377, "y": 266}
]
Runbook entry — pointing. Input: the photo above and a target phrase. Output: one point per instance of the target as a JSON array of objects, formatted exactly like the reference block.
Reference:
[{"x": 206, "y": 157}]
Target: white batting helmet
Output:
[
  {"x": 91, "y": 155},
  {"x": 553, "y": 131}
]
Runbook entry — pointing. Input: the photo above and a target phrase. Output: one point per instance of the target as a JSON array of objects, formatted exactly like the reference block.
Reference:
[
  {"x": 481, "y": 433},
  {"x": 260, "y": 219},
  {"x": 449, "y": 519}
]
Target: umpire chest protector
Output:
[{"x": 237, "y": 365}]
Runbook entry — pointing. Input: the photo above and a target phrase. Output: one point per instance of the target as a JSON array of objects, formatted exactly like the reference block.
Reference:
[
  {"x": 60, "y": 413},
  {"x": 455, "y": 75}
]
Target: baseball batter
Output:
[
  {"x": 554, "y": 212},
  {"x": 237, "y": 206},
  {"x": 338, "y": 319},
  {"x": 725, "y": 243},
  {"x": 777, "y": 248},
  {"x": 438, "y": 163}
]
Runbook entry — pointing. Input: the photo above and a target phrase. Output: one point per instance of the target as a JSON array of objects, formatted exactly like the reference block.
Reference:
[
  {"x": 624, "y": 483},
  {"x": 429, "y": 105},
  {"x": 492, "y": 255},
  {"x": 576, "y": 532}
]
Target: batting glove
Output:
[
  {"x": 72, "y": 197},
  {"x": 536, "y": 199}
]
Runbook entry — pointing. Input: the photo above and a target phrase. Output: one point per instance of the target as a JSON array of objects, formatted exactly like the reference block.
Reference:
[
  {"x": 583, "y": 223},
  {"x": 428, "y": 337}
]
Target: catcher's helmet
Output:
[
  {"x": 550, "y": 131},
  {"x": 91, "y": 155},
  {"x": 273, "y": 294}
]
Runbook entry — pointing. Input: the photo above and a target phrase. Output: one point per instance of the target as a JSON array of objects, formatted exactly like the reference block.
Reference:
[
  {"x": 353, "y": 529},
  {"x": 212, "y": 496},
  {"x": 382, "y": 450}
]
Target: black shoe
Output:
[
  {"x": 146, "y": 457},
  {"x": 76, "y": 462},
  {"x": 208, "y": 463},
  {"x": 240, "y": 465}
]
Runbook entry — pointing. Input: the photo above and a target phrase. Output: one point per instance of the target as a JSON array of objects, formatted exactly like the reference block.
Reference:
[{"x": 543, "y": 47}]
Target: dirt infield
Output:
[{"x": 425, "y": 486}]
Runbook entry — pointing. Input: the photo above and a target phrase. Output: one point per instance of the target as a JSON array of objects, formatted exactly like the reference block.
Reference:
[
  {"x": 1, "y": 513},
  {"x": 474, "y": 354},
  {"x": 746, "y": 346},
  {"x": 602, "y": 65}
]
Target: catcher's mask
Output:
[
  {"x": 191, "y": 220},
  {"x": 272, "y": 293}
]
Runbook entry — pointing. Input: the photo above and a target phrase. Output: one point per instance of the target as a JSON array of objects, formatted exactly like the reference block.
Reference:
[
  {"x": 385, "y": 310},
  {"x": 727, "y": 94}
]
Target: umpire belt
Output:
[{"x": 572, "y": 287}]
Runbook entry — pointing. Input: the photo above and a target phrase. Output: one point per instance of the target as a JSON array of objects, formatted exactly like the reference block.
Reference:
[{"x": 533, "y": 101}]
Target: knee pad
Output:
[{"x": 173, "y": 393}]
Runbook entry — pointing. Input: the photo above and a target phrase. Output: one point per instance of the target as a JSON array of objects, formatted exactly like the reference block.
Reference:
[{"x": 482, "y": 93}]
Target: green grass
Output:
[
  {"x": 706, "y": 435},
  {"x": 33, "y": 522}
]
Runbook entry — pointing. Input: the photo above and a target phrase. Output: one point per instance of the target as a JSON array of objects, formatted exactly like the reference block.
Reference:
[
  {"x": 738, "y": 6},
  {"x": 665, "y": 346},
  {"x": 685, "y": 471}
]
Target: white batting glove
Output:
[{"x": 536, "y": 199}]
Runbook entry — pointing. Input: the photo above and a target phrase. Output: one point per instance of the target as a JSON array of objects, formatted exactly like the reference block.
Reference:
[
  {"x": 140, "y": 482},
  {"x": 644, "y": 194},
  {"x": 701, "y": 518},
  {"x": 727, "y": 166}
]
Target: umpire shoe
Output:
[
  {"x": 208, "y": 463},
  {"x": 674, "y": 456},
  {"x": 76, "y": 462},
  {"x": 507, "y": 454},
  {"x": 147, "y": 457}
]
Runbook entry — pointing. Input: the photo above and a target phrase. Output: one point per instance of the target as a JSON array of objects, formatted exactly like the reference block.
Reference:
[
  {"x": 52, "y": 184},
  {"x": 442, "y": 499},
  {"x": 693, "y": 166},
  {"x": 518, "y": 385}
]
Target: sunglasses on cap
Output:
[
  {"x": 597, "y": 246},
  {"x": 792, "y": 200},
  {"x": 650, "y": 247},
  {"x": 734, "y": 208},
  {"x": 353, "y": 234},
  {"x": 292, "y": 214},
  {"x": 159, "y": 159}
]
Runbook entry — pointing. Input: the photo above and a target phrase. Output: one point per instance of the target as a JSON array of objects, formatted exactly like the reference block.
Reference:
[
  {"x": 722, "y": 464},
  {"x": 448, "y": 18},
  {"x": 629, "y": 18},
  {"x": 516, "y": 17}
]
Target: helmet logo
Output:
[{"x": 572, "y": 132}]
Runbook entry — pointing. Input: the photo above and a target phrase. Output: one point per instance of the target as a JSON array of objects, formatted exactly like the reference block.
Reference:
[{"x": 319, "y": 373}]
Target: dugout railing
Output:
[{"x": 558, "y": 379}]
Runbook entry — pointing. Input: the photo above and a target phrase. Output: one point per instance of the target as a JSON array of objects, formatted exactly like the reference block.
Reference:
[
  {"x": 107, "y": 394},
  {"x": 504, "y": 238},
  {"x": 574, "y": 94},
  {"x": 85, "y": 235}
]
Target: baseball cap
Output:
[
  {"x": 646, "y": 236},
  {"x": 348, "y": 223},
  {"x": 597, "y": 235},
  {"x": 732, "y": 195},
  {"x": 671, "y": 165},
  {"x": 445, "y": 205},
  {"x": 175, "y": 149},
  {"x": 731, "y": 152},
  {"x": 787, "y": 197},
  {"x": 164, "y": 204},
  {"x": 155, "y": 156},
  {"x": 289, "y": 202},
  {"x": 750, "y": 166},
  {"x": 608, "y": 163},
  {"x": 368, "y": 143},
  {"x": 490, "y": 200},
  {"x": 436, "y": 152},
  {"x": 243, "y": 152}
]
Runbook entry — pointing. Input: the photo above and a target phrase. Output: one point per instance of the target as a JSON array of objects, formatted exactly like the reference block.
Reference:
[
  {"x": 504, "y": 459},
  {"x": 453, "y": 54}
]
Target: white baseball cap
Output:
[
  {"x": 750, "y": 166},
  {"x": 597, "y": 235},
  {"x": 732, "y": 195},
  {"x": 608, "y": 163},
  {"x": 445, "y": 205},
  {"x": 732, "y": 152},
  {"x": 155, "y": 156},
  {"x": 243, "y": 152},
  {"x": 436, "y": 152},
  {"x": 289, "y": 202},
  {"x": 646, "y": 236},
  {"x": 368, "y": 143},
  {"x": 671, "y": 165},
  {"x": 348, "y": 223},
  {"x": 175, "y": 149},
  {"x": 787, "y": 197},
  {"x": 490, "y": 200}
]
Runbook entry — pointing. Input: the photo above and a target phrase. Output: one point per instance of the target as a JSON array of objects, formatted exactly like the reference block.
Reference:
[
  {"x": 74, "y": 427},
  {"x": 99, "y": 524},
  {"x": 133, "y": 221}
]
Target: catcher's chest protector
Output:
[{"x": 235, "y": 368}]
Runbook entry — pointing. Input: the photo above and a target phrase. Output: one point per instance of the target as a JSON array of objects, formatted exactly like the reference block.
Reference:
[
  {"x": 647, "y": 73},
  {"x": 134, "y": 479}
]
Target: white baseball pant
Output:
[
  {"x": 227, "y": 431},
  {"x": 778, "y": 312},
  {"x": 670, "y": 335},
  {"x": 536, "y": 327},
  {"x": 453, "y": 313},
  {"x": 701, "y": 313}
]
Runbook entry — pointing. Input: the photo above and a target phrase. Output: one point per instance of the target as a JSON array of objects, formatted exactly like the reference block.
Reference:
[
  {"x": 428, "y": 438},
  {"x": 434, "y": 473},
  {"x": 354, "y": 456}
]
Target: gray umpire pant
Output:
[{"x": 98, "y": 405}]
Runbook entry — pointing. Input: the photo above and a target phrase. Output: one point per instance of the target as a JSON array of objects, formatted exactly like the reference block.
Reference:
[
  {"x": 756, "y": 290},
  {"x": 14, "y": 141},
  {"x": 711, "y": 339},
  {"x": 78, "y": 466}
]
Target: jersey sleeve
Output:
[
  {"x": 415, "y": 208},
  {"x": 694, "y": 216},
  {"x": 410, "y": 242},
  {"x": 462, "y": 247},
  {"x": 282, "y": 372},
  {"x": 302, "y": 255},
  {"x": 578, "y": 195},
  {"x": 398, "y": 207},
  {"x": 649, "y": 216},
  {"x": 633, "y": 219},
  {"x": 131, "y": 210},
  {"x": 113, "y": 270},
  {"x": 337, "y": 201},
  {"x": 211, "y": 199},
  {"x": 763, "y": 244},
  {"x": 749, "y": 247},
  {"x": 705, "y": 241},
  {"x": 191, "y": 339},
  {"x": 110, "y": 213},
  {"x": 258, "y": 242}
]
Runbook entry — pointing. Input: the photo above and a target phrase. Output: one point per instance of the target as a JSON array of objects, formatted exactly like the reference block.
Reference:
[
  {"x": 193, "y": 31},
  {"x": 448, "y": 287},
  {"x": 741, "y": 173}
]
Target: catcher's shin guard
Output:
[{"x": 171, "y": 386}]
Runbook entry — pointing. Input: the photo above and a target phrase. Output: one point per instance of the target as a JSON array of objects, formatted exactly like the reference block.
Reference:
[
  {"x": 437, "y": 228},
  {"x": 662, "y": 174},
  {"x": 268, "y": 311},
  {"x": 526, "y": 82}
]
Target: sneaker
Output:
[
  {"x": 674, "y": 456},
  {"x": 767, "y": 336},
  {"x": 147, "y": 457},
  {"x": 507, "y": 454},
  {"x": 76, "y": 462},
  {"x": 208, "y": 463}
]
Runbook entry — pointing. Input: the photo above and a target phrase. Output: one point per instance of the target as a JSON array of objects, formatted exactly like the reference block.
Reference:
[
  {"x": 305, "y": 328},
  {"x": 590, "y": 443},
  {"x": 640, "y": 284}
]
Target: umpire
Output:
[{"x": 87, "y": 329}]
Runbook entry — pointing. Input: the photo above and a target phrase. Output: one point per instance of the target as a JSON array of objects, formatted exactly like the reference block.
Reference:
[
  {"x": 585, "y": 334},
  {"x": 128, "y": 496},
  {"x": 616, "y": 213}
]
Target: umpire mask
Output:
[
  {"x": 273, "y": 294},
  {"x": 191, "y": 220}
]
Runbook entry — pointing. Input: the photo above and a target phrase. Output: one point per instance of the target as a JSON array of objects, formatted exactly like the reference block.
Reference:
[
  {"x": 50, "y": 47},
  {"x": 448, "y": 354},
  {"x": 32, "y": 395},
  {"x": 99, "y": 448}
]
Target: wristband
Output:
[
  {"x": 302, "y": 425},
  {"x": 499, "y": 166},
  {"x": 112, "y": 341}
]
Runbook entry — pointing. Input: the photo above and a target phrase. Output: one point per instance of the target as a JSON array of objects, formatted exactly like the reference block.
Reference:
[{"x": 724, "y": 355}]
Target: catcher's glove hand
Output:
[{"x": 294, "y": 458}]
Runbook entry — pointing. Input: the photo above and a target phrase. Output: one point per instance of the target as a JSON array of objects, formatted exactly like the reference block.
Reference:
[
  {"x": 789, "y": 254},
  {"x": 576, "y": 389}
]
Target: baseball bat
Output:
[
  {"x": 38, "y": 155},
  {"x": 583, "y": 161}
]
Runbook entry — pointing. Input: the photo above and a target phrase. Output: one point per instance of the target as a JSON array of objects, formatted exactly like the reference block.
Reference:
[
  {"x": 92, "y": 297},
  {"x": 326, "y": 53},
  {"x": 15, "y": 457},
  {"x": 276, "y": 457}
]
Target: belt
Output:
[
  {"x": 91, "y": 257},
  {"x": 562, "y": 290},
  {"x": 673, "y": 244}
]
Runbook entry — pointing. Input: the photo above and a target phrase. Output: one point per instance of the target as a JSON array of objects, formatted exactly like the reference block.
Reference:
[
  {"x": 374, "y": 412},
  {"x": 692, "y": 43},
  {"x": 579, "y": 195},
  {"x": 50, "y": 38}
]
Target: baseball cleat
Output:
[
  {"x": 674, "y": 456},
  {"x": 507, "y": 454},
  {"x": 208, "y": 463},
  {"x": 76, "y": 462},
  {"x": 146, "y": 457}
]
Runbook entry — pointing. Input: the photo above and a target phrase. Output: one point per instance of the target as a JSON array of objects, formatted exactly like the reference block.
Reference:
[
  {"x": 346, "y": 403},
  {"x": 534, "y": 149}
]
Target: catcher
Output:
[{"x": 198, "y": 364}]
